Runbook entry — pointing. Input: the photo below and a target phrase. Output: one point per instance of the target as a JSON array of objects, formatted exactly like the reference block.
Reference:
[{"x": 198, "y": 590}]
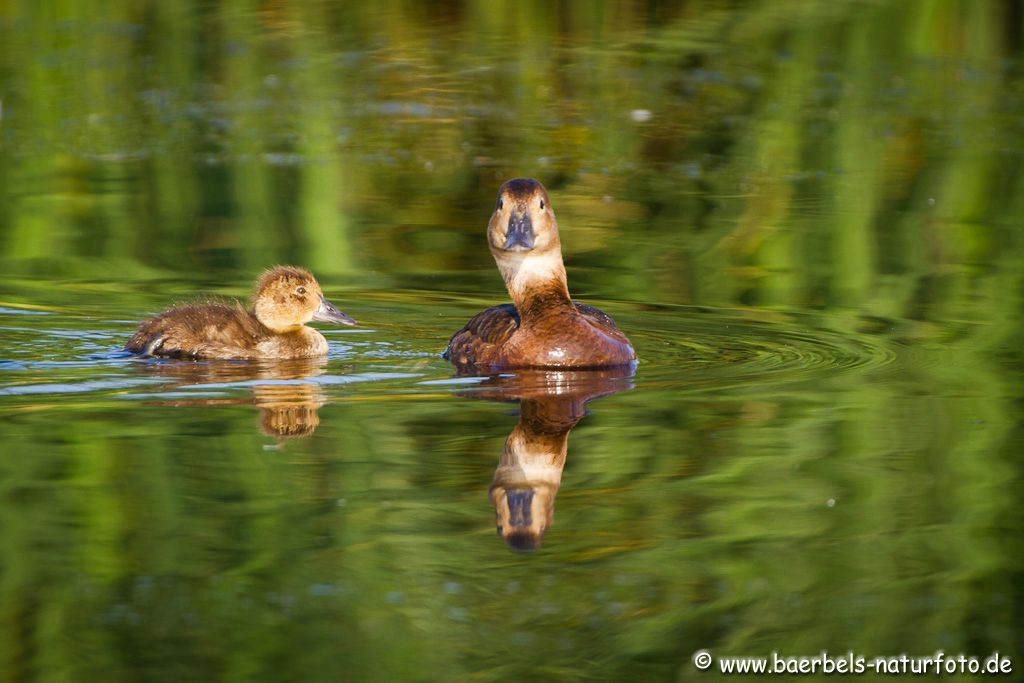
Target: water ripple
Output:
[
  {"x": 724, "y": 344},
  {"x": 681, "y": 346}
]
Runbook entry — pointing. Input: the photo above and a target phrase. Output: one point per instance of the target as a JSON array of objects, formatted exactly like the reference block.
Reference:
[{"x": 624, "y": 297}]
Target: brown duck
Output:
[
  {"x": 543, "y": 327},
  {"x": 284, "y": 300},
  {"x": 529, "y": 471}
]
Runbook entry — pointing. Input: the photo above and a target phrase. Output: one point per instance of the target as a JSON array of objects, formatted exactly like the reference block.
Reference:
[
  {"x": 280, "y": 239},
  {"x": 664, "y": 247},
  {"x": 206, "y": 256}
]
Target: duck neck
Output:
[
  {"x": 275, "y": 323},
  {"x": 284, "y": 329},
  {"x": 536, "y": 283}
]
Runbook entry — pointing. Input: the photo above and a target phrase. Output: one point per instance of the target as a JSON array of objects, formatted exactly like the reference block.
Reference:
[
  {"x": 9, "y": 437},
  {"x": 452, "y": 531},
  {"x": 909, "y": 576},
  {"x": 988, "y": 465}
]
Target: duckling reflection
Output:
[
  {"x": 288, "y": 410},
  {"x": 288, "y": 407},
  {"x": 529, "y": 471}
]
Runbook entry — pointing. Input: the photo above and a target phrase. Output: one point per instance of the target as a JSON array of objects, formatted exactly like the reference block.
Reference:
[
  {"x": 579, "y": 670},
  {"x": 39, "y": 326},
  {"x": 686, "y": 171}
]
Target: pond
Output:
[{"x": 808, "y": 217}]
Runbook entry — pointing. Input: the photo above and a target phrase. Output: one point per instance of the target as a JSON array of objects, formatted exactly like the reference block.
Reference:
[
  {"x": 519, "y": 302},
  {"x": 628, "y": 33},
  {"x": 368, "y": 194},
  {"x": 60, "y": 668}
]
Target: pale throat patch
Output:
[
  {"x": 311, "y": 342},
  {"x": 522, "y": 272},
  {"x": 276, "y": 319}
]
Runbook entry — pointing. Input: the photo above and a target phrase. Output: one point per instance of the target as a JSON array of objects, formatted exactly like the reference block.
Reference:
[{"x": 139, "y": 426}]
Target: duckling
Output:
[
  {"x": 543, "y": 327},
  {"x": 284, "y": 300}
]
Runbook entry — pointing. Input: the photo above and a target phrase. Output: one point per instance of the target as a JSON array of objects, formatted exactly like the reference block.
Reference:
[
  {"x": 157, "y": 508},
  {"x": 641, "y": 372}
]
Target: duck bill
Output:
[
  {"x": 329, "y": 313},
  {"x": 519, "y": 236},
  {"x": 520, "y": 504}
]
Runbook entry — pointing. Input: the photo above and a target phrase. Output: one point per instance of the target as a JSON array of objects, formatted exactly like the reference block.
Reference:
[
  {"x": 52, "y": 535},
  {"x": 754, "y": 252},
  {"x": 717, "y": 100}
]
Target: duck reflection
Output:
[
  {"x": 529, "y": 471},
  {"x": 288, "y": 406}
]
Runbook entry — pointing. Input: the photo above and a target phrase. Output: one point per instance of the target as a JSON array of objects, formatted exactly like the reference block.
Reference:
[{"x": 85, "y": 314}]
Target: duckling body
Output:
[
  {"x": 285, "y": 298},
  {"x": 543, "y": 327}
]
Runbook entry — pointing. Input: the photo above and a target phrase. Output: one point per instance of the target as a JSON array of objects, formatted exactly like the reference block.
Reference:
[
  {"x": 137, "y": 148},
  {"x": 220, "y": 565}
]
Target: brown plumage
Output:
[
  {"x": 284, "y": 300},
  {"x": 543, "y": 327}
]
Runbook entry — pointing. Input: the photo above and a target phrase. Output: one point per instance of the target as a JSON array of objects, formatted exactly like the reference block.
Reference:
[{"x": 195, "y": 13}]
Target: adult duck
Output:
[{"x": 543, "y": 327}]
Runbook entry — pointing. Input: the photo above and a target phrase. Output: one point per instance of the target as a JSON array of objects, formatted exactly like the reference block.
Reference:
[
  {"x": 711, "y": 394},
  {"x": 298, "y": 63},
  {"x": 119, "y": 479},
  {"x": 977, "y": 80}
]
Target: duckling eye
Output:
[
  {"x": 542, "y": 205},
  {"x": 301, "y": 290},
  {"x": 501, "y": 203}
]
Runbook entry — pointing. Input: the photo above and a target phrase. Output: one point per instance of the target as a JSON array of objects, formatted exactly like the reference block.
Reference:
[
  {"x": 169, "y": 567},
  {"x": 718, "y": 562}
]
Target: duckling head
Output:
[
  {"x": 523, "y": 237},
  {"x": 286, "y": 298}
]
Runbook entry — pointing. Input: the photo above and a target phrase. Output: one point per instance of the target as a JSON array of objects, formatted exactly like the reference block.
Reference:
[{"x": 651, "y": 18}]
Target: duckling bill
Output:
[
  {"x": 284, "y": 300},
  {"x": 543, "y": 327}
]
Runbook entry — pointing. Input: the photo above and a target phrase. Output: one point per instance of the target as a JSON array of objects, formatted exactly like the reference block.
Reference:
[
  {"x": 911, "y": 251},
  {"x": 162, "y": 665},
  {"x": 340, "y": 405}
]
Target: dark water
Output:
[{"x": 808, "y": 217}]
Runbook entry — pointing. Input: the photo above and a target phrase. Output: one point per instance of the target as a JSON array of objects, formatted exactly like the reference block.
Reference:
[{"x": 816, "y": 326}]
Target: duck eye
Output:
[
  {"x": 542, "y": 205},
  {"x": 500, "y": 203},
  {"x": 301, "y": 290}
]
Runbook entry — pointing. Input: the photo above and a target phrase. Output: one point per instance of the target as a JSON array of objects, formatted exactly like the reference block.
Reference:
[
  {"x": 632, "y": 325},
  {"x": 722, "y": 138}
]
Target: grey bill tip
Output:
[
  {"x": 520, "y": 232},
  {"x": 329, "y": 313}
]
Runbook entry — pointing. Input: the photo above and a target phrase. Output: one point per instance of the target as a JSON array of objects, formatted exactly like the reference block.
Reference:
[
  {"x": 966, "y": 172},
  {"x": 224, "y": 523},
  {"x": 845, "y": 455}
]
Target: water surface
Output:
[{"x": 806, "y": 216}]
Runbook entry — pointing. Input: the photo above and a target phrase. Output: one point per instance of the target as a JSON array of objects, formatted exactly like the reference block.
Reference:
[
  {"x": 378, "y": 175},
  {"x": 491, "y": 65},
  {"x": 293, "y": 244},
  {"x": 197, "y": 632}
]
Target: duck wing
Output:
[
  {"x": 596, "y": 316},
  {"x": 481, "y": 341},
  {"x": 483, "y": 336},
  {"x": 212, "y": 330}
]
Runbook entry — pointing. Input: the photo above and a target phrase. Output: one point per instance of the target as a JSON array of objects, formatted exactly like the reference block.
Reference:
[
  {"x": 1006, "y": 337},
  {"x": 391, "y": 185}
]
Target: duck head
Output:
[
  {"x": 523, "y": 237},
  {"x": 286, "y": 298},
  {"x": 527, "y": 479},
  {"x": 524, "y": 513}
]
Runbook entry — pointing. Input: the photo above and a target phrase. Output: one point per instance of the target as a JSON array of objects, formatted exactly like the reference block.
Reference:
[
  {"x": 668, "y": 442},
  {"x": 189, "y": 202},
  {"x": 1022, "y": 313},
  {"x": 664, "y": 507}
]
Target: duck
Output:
[
  {"x": 542, "y": 327},
  {"x": 529, "y": 472},
  {"x": 284, "y": 299}
]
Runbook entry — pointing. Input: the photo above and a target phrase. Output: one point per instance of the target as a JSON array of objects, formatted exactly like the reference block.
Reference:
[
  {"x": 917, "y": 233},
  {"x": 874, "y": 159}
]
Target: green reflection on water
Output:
[{"x": 806, "y": 215}]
